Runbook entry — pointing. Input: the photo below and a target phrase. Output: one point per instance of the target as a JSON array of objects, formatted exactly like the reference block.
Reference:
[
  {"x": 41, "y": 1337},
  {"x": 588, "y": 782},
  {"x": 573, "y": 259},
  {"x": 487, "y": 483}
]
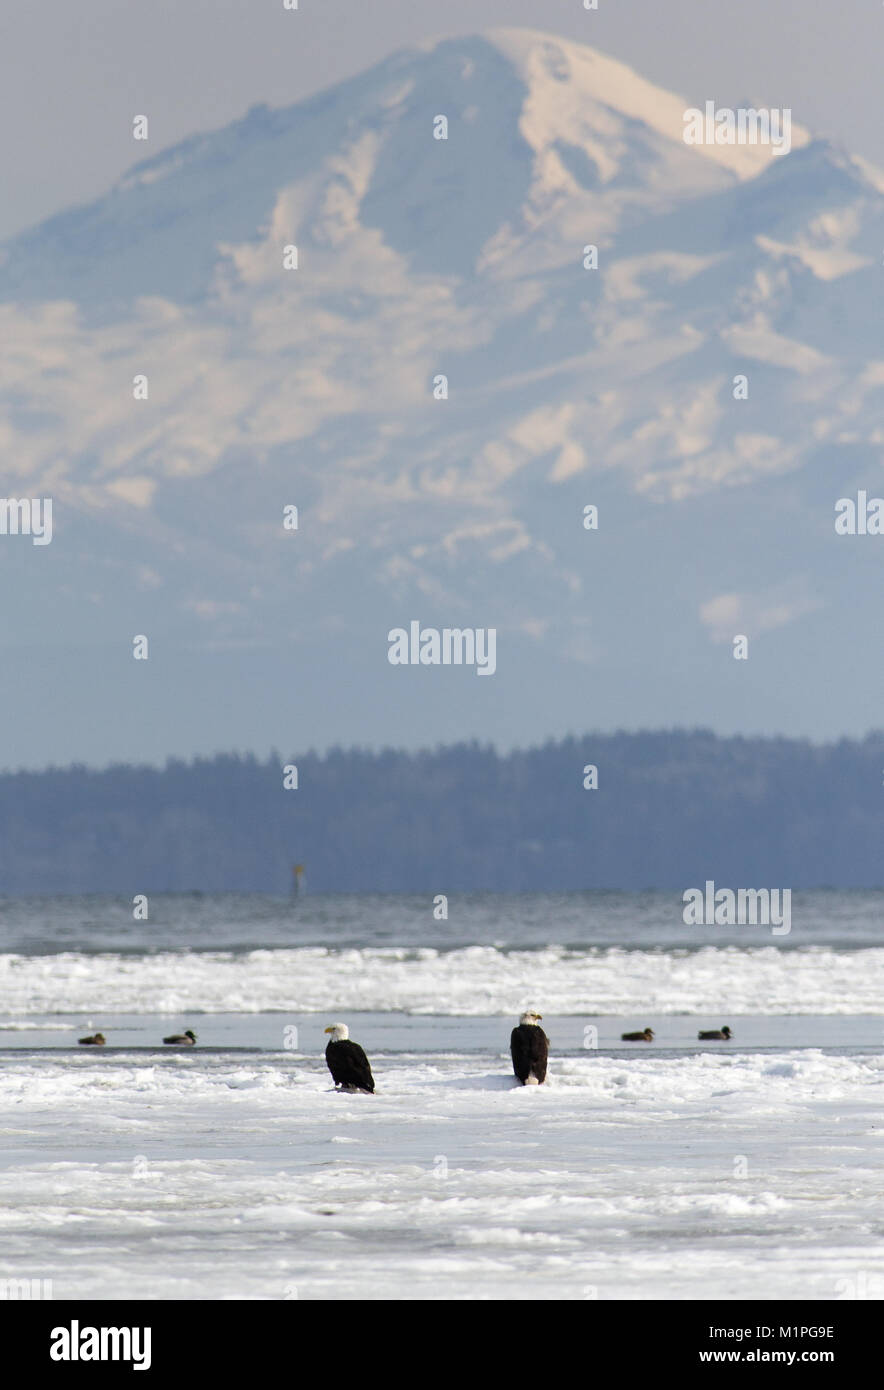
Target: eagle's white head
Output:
[
  {"x": 530, "y": 1016},
  {"x": 339, "y": 1032}
]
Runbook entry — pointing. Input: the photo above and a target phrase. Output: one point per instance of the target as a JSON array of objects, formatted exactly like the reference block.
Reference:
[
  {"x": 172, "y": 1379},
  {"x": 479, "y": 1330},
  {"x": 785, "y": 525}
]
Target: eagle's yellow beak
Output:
[{"x": 330, "y": 1029}]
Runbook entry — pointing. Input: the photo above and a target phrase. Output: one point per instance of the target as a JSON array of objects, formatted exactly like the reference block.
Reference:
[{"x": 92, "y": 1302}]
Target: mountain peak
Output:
[
  {"x": 539, "y": 127},
  {"x": 548, "y": 63}
]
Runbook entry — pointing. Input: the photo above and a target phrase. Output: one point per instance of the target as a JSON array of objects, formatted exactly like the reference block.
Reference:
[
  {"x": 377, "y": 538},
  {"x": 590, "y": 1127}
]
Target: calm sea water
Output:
[{"x": 229, "y": 922}]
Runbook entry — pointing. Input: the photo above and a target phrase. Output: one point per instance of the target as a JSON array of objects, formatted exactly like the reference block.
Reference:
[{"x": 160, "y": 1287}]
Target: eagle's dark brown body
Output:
[
  {"x": 349, "y": 1066},
  {"x": 529, "y": 1048}
]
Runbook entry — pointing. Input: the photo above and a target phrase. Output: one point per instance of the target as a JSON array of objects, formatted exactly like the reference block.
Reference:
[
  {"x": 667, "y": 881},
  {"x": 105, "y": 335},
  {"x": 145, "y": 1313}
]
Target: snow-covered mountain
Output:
[{"x": 420, "y": 257}]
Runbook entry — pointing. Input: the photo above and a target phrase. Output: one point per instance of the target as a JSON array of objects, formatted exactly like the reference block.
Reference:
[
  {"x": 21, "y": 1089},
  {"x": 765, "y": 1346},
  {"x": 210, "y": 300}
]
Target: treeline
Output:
[{"x": 671, "y": 810}]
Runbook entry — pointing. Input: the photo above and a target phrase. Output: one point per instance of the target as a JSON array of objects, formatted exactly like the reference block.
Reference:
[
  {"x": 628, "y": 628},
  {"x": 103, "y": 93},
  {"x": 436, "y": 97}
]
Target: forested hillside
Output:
[{"x": 671, "y": 809}]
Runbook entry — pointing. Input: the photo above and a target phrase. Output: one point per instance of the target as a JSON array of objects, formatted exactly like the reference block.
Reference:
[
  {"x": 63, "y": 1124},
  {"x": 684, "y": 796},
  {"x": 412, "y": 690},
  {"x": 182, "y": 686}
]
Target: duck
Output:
[
  {"x": 646, "y": 1035},
  {"x": 715, "y": 1035},
  {"x": 94, "y": 1040},
  {"x": 185, "y": 1039}
]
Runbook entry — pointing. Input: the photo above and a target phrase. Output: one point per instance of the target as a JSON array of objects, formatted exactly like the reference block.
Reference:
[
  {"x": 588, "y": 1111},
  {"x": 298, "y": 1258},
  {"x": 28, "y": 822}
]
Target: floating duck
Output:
[
  {"x": 646, "y": 1035},
  {"x": 186, "y": 1039},
  {"x": 94, "y": 1040},
  {"x": 715, "y": 1035}
]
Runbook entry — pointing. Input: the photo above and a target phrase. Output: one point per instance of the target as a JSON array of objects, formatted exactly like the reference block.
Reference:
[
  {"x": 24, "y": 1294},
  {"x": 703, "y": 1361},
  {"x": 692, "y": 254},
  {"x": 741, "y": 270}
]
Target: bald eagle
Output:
[
  {"x": 347, "y": 1062},
  {"x": 529, "y": 1047}
]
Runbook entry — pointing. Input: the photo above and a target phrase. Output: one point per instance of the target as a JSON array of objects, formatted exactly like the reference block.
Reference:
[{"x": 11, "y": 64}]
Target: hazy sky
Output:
[{"x": 74, "y": 74}]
